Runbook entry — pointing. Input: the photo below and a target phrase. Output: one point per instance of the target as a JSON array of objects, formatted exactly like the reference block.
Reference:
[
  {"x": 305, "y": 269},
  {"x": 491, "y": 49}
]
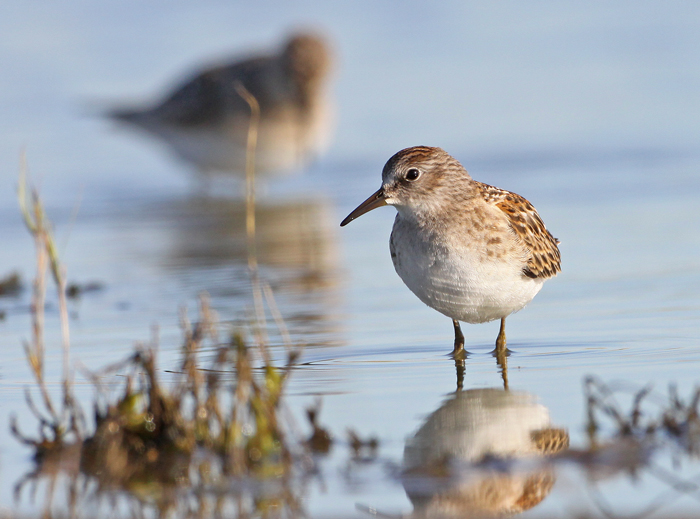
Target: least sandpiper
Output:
[
  {"x": 473, "y": 252},
  {"x": 205, "y": 120}
]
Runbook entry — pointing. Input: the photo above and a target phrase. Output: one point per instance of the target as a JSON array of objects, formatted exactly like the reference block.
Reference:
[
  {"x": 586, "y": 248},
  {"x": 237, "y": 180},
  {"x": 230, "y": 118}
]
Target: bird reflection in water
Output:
[
  {"x": 501, "y": 354},
  {"x": 205, "y": 121},
  {"x": 463, "y": 461},
  {"x": 296, "y": 251}
]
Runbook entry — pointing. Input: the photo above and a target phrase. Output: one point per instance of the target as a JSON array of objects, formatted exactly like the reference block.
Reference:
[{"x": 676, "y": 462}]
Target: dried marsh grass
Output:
[{"x": 174, "y": 447}]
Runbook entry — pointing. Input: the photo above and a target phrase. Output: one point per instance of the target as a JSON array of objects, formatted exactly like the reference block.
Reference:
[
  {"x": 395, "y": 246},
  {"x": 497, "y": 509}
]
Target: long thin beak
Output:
[{"x": 378, "y": 199}]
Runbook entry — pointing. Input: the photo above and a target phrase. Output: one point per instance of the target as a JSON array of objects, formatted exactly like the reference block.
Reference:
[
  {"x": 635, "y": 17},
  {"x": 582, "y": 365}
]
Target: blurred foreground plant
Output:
[
  {"x": 212, "y": 428},
  {"x": 55, "y": 423}
]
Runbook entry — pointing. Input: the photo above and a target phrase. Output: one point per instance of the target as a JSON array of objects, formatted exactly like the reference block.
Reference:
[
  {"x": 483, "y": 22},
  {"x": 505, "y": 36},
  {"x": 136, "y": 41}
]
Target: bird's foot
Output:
[
  {"x": 497, "y": 352},
  {"x": 459, "y": 353}
]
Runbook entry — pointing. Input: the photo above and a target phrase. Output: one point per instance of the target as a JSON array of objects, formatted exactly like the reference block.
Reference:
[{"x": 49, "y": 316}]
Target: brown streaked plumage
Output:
[
  {"x": 545, "y": 259},
  {"x": 471, "y": 251},
  {"x": 205, "y": 120}
]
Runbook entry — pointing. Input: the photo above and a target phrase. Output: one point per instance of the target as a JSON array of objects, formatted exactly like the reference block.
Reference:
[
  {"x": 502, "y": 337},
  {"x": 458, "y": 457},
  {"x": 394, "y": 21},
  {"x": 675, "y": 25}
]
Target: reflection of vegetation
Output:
[
  {"x": 630, "y": 441},
  {"x": 675, "y": 419}
]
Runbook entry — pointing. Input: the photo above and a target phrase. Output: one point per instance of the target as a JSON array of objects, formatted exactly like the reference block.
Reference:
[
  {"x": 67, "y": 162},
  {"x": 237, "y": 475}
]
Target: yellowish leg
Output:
[
  {"x": 502, "y": 353},
  {"x": 459, "y": 340},
  {"x": 501, "y": 339},
  {"x": 459, "y": 354}
]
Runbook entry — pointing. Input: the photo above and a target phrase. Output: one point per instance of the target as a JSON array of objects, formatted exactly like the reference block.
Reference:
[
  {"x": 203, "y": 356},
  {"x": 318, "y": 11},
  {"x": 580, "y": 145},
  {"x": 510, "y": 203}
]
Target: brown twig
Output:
[{"x": 251, "y": 146}]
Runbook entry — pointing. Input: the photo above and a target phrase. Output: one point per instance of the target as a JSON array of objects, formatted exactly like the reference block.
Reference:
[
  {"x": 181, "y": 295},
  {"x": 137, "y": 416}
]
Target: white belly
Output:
[{"x": 460, "y": 280}]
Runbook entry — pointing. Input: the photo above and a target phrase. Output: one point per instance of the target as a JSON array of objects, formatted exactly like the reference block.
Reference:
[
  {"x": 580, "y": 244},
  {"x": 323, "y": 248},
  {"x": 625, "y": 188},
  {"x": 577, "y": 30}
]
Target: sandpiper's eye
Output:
[{"x": 412, "y": 174}]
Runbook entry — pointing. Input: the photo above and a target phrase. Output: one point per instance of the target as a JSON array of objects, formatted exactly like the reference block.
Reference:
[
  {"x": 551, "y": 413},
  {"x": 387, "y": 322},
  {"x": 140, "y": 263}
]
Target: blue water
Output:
[{"x": 590, "y": 111}]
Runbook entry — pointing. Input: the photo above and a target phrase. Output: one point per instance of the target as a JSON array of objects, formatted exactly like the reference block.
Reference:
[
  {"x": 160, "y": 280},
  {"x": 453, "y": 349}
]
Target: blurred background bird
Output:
[{"x": 205, "y": 120}]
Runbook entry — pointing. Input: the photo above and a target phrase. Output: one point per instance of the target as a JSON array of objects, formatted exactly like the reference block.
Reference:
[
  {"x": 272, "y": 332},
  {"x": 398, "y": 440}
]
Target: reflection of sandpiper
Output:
[
  {"x": 296, "y": 252},
  {"x": 205, "y": 121},
  {"x": 293, "y": 236},
  {"x": 445, "y": 462}
]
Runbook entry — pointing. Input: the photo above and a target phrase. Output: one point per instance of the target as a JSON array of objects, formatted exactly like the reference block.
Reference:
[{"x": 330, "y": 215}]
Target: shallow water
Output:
[{"x": 590, "y": 112}]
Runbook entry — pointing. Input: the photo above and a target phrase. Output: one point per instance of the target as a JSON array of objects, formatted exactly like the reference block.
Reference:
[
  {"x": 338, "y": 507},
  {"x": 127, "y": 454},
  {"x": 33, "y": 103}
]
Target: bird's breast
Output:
[{"x": 468, "y": 272}]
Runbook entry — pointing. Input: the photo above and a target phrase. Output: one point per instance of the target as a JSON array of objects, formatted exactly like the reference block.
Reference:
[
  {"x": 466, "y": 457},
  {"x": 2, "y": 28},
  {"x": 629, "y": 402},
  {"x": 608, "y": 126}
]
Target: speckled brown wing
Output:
[{"x": 545, "y": 260}]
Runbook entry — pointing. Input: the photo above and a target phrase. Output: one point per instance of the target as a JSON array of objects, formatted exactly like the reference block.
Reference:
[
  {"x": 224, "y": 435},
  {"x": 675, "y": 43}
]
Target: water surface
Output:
[{"x": 590, "y": 112}]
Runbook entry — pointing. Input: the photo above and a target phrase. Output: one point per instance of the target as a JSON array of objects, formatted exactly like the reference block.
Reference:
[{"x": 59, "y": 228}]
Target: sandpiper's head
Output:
[
  {"x": 307, "y": 59},
  {"x": 417, "y": 179}
]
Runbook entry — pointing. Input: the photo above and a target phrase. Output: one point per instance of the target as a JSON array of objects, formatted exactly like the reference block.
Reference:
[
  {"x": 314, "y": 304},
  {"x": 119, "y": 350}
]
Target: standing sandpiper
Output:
[
  {"x": 471, "y": 251},
  {"x": 205, "y": 120}
]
